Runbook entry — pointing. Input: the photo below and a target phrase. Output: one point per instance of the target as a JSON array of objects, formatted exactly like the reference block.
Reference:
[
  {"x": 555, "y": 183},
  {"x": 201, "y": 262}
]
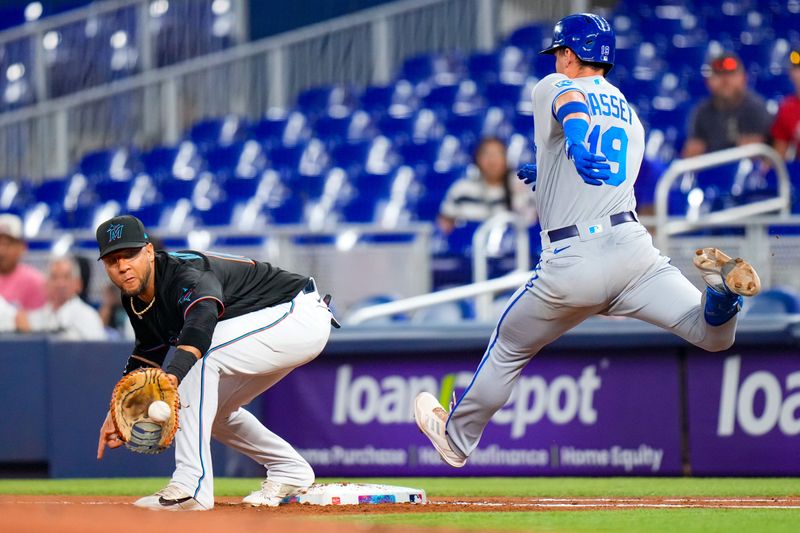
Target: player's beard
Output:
[{"x": 143, "y": 284}]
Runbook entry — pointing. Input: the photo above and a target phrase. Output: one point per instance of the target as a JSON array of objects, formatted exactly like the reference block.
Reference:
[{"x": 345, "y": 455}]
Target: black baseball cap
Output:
[{"x": 121, "y": 232}]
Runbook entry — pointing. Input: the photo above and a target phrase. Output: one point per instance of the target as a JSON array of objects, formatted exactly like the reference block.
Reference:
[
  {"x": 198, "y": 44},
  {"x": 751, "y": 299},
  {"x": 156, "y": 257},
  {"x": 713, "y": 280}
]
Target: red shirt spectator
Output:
[
  {"x": 20, "y": 285},
  {"x": 786, "y": 129}
]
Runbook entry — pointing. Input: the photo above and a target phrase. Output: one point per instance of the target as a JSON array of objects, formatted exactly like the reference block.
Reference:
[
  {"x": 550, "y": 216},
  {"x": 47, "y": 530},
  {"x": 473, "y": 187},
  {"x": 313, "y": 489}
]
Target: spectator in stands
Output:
[
  {"x": 20, "y": 285},
  {"x": 732, "y": 116},
  {"x": 64, "y": 314},
  {"x": 786, "y": 128},
  {"x": 478, "y": 197}
]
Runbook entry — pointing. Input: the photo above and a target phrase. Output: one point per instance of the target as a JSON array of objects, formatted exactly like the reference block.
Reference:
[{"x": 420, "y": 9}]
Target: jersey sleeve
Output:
[
  {"x": 199, "y": 298},
  {"x": 544, "y": 97},
  {"x": 781, "y": 128},
  {"x": 549, "y": 89}
]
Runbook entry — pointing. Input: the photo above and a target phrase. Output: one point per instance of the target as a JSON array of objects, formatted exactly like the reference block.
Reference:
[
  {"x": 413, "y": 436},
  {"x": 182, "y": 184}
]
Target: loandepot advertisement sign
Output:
[
  {"x": 569, "y": 414},
  {"x": 744, "y": 413}
]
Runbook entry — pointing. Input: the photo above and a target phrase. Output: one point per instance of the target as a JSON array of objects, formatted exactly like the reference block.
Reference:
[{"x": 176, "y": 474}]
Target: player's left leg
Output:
[
  {"x": 561, "y": 294},
  {"x": 251, "y": 364},
  {"x": 665, "y": 297},
  {"x": 288, "y": 473}
]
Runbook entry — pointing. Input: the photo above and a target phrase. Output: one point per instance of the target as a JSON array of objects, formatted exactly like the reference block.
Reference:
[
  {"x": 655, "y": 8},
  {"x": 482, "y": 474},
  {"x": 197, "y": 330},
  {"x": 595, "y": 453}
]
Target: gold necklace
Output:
[{"x": 143, "y": 311}]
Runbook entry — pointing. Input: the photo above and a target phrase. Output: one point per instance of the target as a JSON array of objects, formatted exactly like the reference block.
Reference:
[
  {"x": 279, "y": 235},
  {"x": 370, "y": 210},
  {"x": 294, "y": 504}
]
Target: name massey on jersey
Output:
[{"x": 609, "y": 105}]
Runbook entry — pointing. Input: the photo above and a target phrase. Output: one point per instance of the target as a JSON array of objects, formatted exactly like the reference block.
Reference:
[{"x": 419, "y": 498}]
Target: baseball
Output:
[{"x": 158, "y": 411}]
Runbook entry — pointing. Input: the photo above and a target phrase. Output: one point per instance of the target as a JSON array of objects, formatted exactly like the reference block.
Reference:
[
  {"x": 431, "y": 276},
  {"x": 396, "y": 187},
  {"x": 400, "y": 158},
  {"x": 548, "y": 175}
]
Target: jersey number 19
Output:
[{"x": 613, "y": 144}]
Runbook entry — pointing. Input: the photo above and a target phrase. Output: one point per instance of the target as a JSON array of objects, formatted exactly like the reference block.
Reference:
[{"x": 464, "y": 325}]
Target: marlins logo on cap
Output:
[{"x": 115, "y": 231}]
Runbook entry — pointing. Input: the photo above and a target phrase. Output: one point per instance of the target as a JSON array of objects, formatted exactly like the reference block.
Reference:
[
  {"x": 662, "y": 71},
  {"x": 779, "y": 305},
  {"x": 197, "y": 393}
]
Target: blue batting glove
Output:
[
  {"x": 527, "y": 173},
  {"x": 592, "y": 168}
]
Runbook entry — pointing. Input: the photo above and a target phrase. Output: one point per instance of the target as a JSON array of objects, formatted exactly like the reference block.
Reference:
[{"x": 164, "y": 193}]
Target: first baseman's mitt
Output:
[{"x": 129, "y": 404}]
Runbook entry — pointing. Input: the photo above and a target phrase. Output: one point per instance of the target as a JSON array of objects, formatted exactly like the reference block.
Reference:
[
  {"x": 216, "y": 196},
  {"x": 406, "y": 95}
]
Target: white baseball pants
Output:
[{"x": 248, "y": 355}]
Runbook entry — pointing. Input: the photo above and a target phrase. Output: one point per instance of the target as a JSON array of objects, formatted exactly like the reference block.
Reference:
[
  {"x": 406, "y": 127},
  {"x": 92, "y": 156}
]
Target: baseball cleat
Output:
[
  {"x": 431, "y": 419},
  {"x": 272, "y": 494},
  {"x": 724, "y": 274},
  {"x": 170, "y": 498}
]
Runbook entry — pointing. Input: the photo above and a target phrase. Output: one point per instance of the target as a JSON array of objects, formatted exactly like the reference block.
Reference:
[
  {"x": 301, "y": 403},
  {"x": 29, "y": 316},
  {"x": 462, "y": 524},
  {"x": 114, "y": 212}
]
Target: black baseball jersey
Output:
[{"x": 194, "y": 290}]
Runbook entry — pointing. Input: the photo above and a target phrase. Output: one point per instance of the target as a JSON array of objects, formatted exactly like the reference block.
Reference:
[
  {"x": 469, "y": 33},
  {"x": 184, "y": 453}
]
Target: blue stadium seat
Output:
[
  {"x": 150, "y": 214},
  {"x": 775, "y": 87},
  {"x": 242, "y": 188},
  {"x": 441, "y": 98},
  {"x": 360, "y": 209},
  {"x": 286, "y": 157},
  {"x": 523, "y": 124},
  {"x": 173, "y": 189},
  {"x": 15, "y": 195},
  {"x": 396, "y": 98},
  {"x": 351, "y": 156},
  {"x": 439, "y": 68},
  {"x": 317, "y": 101},
  {"x": 211, "y": 132},
  {"x": 218, "y": 214},
  {"x": 182, "y": 161},
  {"x": 285, "y": 210},
  {"x": 432, "y": 188},
  {"x": 787, "y": 23},
  {"x": 115, "y": 163},
  {"x": 452, "y": 260},
  {"x": 418, "y": 127},
  {"x": 280, "y": 128},
  {"x": 505, "y": 95},
  {"x": 773, "y": 301},
  {"x": 114, "y": 190},
  {"x": 505, "y": 64},
  {"x": 532, "y": 38},
  {"x": 441, "y": 154},
  {"x": 347, "y": 127},
  {"x": 243, "y": 159},
  {"x": 76, "y": 219}
]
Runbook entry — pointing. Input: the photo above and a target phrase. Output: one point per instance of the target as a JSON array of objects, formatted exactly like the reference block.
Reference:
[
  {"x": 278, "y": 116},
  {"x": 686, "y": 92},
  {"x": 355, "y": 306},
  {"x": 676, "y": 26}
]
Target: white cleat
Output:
[
  {"x": 724, "y": 274},
  {"x": 431, "y": 419},
  {"x": 170, "y": 498},
  {"x": 272, "y": 494}
]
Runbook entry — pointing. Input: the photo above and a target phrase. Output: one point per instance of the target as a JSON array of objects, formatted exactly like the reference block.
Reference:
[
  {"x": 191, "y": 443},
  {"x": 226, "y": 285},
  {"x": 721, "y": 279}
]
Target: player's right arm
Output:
[{"x": 572, "y": 112}]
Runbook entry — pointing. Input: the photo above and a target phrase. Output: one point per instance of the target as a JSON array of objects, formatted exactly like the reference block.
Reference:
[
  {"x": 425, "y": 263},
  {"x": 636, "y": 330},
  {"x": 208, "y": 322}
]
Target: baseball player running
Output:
[
  {"x": 238, "y": 327},
  {"x": 596, "y": 257}
]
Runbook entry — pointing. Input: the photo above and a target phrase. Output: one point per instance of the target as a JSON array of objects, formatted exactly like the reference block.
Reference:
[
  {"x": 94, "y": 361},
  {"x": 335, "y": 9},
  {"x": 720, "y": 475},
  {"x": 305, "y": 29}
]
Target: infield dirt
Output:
[{"x": 20, "y": 513}]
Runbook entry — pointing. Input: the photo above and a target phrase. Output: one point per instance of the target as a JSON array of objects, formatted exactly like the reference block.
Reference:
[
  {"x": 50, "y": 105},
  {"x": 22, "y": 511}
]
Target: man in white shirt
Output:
[{"x": 64, "y": 314}]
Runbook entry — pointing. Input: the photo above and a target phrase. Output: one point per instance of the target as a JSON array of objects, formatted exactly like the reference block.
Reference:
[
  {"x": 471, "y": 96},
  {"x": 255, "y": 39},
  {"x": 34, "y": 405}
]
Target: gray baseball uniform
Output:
[{"x": 596, "y": 257}]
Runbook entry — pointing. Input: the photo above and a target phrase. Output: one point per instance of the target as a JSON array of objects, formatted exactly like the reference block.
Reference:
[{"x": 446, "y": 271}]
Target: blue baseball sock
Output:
[{"x": 721, "y": 307}]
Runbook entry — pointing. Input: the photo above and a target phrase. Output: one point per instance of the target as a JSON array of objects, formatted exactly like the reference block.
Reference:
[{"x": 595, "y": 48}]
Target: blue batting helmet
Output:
[{"x": 589, "y": 36}]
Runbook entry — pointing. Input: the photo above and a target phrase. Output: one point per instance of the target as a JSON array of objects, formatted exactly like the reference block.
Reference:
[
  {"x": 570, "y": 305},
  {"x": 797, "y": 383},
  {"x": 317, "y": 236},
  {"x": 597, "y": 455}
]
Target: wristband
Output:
[
  {"x": 182, "y": 362},
  {"x": 570, "y": 108}
]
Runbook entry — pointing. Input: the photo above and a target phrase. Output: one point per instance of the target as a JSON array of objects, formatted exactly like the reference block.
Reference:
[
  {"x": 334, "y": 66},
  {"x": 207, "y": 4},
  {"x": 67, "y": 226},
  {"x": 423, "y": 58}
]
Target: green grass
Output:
[
  {"x": 616, "y": 521},
  {"x": 478, "y": 487}
]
